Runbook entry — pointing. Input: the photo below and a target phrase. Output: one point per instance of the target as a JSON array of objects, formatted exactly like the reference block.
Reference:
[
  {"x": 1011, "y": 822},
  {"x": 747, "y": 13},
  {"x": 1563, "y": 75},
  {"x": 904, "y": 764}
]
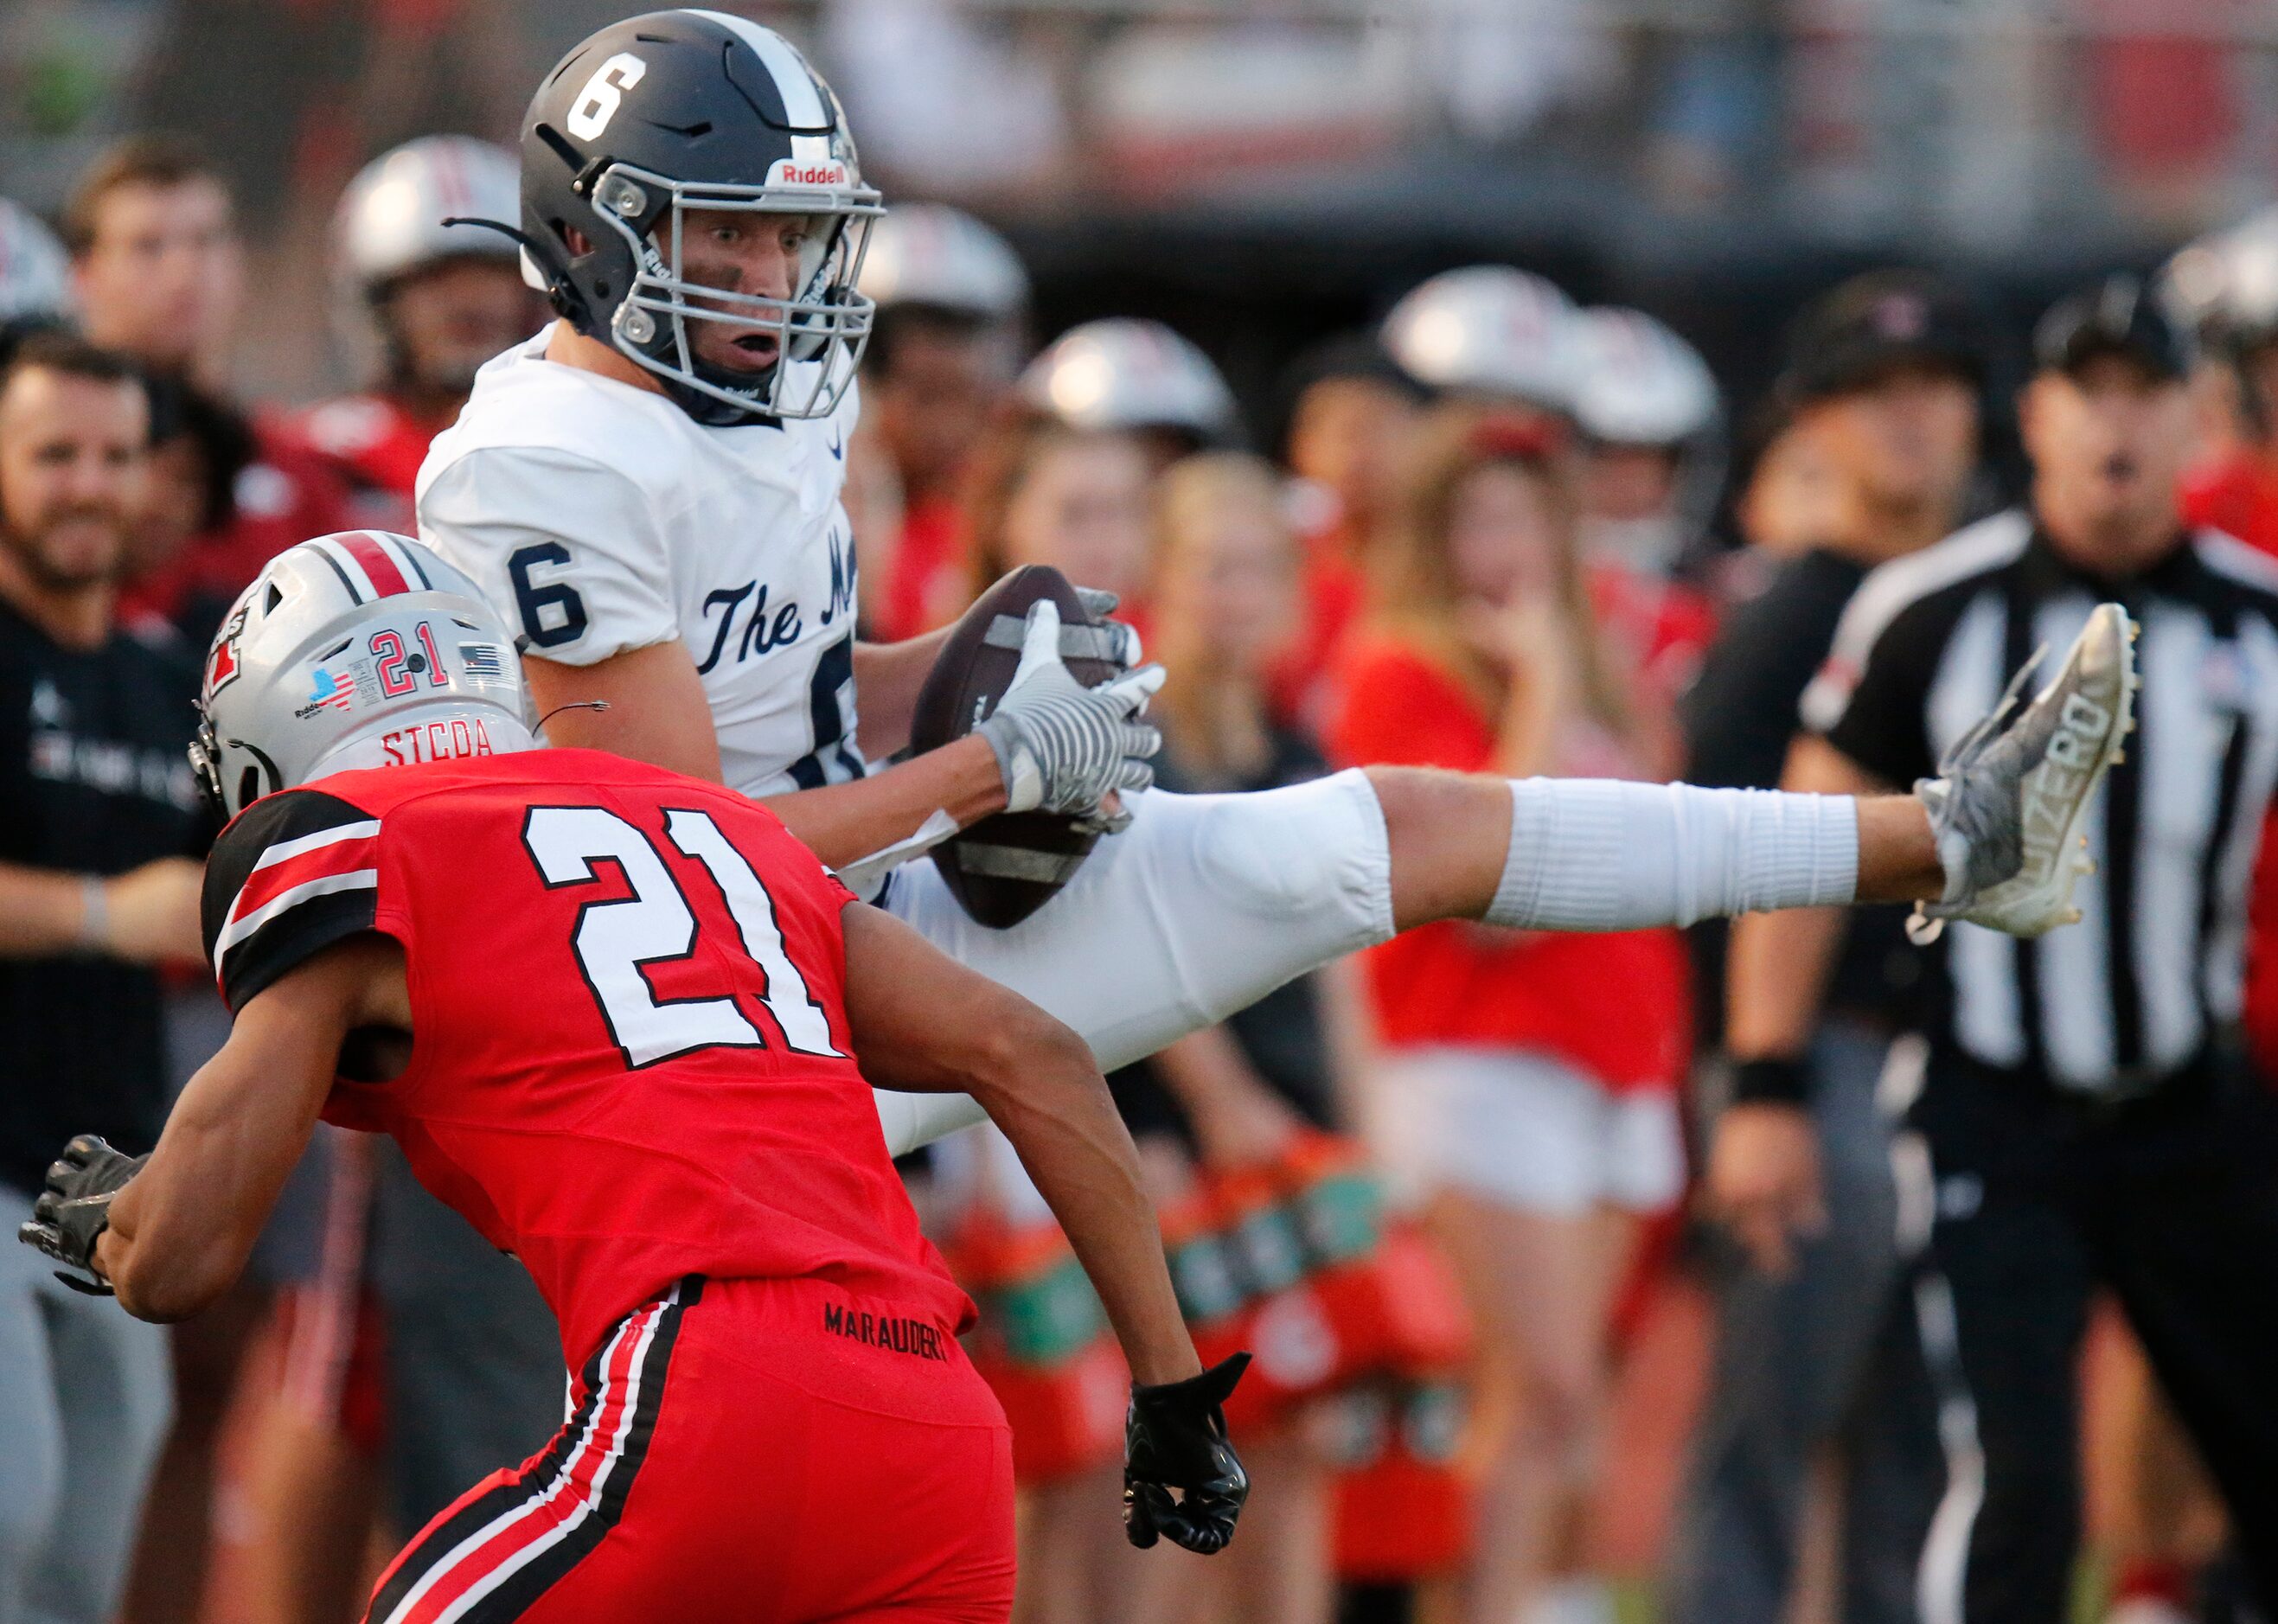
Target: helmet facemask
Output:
[{"x": 820, "y": 330}]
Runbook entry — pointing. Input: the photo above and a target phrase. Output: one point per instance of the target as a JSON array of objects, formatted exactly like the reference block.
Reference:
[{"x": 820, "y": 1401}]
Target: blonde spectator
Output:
[{"x": 1528, "y": 1095}]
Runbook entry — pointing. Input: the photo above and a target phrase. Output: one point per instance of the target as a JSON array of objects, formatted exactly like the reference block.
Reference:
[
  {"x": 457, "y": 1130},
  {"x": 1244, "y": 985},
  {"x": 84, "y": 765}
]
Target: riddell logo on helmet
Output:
[{"x": 788, "y": 171}]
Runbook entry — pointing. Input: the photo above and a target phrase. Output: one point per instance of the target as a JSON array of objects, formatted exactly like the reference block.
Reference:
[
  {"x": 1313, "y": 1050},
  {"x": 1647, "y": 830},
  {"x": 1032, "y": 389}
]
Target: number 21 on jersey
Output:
[{"x": 613, "y": 940}]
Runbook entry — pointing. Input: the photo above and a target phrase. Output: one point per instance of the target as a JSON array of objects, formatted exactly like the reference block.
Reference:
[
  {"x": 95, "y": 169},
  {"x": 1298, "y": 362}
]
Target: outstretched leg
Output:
[{"x": 1207, "y": 903}]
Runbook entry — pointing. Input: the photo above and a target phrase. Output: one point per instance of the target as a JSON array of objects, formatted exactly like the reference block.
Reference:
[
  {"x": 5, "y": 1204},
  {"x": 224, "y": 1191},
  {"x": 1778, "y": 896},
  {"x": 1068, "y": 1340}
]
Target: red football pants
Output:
[{"x": 766, "y": 1451}]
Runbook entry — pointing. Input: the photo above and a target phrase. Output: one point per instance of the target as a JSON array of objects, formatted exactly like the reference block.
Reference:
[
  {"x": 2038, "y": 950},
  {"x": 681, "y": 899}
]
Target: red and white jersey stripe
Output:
[{"x": 297, "y": 871}]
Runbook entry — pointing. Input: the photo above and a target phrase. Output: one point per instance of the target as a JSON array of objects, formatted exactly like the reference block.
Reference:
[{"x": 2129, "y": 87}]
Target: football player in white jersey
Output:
[{"x": 649, "y": 490}]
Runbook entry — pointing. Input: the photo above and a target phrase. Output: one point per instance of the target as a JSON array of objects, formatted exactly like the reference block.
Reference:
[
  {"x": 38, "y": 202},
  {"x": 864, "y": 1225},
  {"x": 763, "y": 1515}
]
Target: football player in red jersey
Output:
[
  {"x": 613, "y": 1015},
  {"x": 434, "y": 301}
]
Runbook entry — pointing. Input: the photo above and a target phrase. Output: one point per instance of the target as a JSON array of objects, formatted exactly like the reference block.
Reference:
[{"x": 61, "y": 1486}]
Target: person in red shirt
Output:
[
  {"x": 1350, "y": 412},
  {"x": 627, "y": 1026},
  {"x": 160, "y": 273},
  {"x": 1531, "y": 1094},
  {"x": 430, "y": 301},
  {"x": 1652, "y": 425}
]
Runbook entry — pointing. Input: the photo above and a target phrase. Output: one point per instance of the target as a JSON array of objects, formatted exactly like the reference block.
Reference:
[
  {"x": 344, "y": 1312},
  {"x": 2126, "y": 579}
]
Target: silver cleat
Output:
[{"x": 2007, "y": 803}]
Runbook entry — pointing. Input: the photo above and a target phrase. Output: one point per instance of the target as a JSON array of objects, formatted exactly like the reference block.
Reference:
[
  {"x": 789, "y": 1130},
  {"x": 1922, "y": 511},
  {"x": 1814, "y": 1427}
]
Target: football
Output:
[{"x": 1002, "y": 868}]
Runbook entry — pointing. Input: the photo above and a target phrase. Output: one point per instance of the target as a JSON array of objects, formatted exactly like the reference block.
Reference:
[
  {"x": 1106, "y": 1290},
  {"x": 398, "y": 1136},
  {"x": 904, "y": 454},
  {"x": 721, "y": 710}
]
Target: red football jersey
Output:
[
  {"x": 377, "y": 447},
  {"x": 630, "y": 1056}
]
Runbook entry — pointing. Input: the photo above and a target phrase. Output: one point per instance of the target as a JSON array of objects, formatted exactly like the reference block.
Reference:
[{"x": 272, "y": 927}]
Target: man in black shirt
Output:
[
  {"x": 100, "y": 829},
  {"x": 2080, "y": 1117},
  {"x": 1881, "y": 378}
]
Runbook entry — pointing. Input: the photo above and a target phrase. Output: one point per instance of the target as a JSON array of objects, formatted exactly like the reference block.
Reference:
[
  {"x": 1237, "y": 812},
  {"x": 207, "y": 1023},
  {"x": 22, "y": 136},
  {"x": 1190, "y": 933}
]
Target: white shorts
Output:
[
  {"x": 1518, "y": 1127},
  {"x": 1203, "y": 906}
]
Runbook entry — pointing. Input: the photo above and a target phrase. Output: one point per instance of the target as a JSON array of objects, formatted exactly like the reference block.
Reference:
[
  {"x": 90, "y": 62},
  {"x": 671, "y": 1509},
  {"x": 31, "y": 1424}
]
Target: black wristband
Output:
[{"x": 1767, "y": 1081}]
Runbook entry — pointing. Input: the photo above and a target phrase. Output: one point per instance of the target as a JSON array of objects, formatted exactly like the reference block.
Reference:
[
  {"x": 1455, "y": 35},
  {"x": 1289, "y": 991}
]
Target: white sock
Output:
[{"x": 1596, "y": 854}]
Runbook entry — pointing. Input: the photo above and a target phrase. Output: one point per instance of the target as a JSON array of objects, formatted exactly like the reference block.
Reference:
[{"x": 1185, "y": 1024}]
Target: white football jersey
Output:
[{"x": 601, "y": 518}]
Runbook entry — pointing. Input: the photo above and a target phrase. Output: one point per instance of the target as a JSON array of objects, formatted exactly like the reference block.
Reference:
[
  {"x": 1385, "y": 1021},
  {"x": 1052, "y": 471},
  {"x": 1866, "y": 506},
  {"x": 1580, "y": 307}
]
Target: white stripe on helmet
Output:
[{"x": 802, "y": 102}]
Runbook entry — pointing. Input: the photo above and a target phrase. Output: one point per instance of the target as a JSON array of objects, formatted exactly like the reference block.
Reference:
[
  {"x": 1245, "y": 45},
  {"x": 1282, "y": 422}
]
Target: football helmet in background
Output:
[
  {"x": 355, "y": 650},
  {"x": 658, "y": 115},
  {"x": 2222, "y": 288},
  {"x": 389, "y": 226},
  {"x": 1130, "y": 374},
  {"x": 941, "y": 258},
  {"x": 390, "y": 220},
  {"x": 1490, "y": 330},
  {"x": 34, "y": 270},
  {"x": 2224, "y": 284},
  {"x": 1638, "y": 384}
]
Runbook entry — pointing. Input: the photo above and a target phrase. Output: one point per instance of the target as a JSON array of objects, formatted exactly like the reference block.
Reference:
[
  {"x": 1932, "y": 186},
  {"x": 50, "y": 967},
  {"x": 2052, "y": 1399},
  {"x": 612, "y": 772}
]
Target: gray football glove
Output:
[{"x": 1062, "y": 746}]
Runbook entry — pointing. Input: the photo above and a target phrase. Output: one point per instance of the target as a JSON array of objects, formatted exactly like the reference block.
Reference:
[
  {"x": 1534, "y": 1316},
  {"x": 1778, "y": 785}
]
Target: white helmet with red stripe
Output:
[
  {"x": 391, "y": 217},
  {"x": 361, "y": 649}
]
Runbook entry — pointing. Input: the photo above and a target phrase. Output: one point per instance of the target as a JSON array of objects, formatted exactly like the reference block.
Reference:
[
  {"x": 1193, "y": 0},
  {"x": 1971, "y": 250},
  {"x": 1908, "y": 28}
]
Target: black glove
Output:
[
  {"x": 75, "y": 1209},
  {"x": 1175, "y": 1438}
]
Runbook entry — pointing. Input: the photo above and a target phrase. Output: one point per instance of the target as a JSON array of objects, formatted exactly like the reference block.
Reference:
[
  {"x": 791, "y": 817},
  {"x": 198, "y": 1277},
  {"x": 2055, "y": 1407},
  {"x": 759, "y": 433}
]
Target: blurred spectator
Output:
[
  {"x": 1225, "y": 590},
  {"x": 2076, "y": 1117},
  {"x": 198, "y": 447},
  {"x": 1653, "y": 423},
  {"x": 1788, "y": 496},
  {"x": 1043, "y": 493},
  {"x": 2225, "y": 286},
  {"x": 1531, "y": 1088},
  {"x": 160, "y": 275},
  {"x": 1351, "y": 410},
  {"x": 946, "y": 341},
  {"x": 1880, "y": 391},
  {"x": 1652, "y": 427},
  {"x": 99, "y": 831},
  {"x": 426, "y": 304}
]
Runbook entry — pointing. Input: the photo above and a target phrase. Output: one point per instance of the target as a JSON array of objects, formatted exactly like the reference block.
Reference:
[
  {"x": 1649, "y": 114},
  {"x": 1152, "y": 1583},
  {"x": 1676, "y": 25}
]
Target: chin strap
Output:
[
  {"x": 567, "y": 303},
  {"x": 573, "y": 705}
]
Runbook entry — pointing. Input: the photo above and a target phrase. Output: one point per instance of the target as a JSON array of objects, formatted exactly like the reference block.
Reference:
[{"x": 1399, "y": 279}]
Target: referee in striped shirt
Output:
[{"x": 2078, "y": 1114}]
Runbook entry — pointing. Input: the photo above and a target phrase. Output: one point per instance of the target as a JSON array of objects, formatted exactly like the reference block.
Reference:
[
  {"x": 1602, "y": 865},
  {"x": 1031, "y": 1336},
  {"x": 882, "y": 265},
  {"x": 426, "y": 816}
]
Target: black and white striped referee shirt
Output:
[{"x": 2136, "y": 990}]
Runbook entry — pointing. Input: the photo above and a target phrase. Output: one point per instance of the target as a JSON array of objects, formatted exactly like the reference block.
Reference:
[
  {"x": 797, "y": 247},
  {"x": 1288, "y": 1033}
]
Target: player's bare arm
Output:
[
  {"x": 888, "y": 675},
  {"x": 180, "y": 1230},
  {"x": 923, "y": 1023},
  {"x": 656, "y": 712}
]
